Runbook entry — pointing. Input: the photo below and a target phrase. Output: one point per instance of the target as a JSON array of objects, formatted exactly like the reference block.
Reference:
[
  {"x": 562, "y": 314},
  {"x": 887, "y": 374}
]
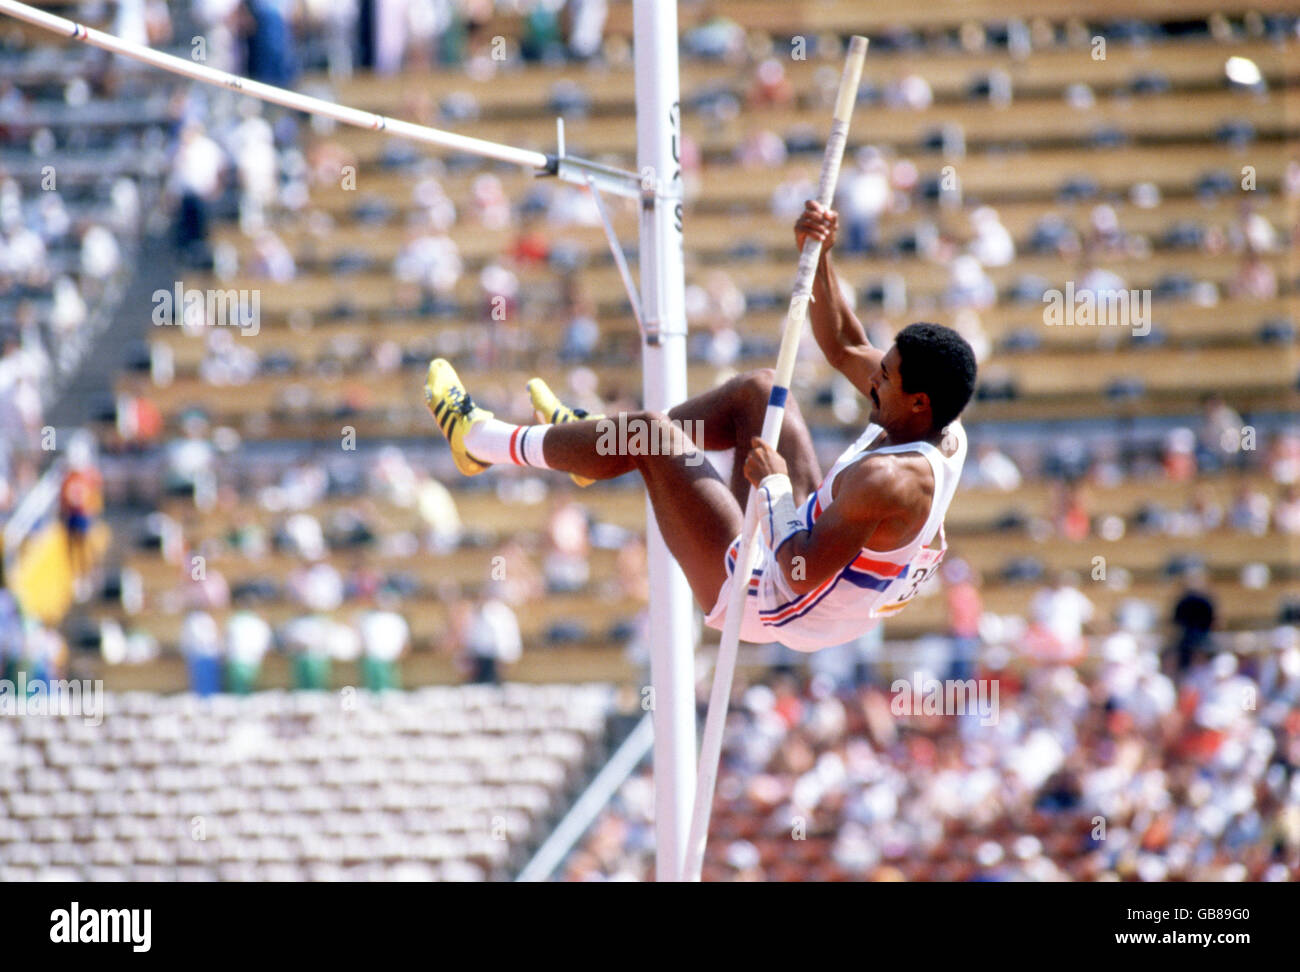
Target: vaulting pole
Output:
[{"x": 711, "y": 747}]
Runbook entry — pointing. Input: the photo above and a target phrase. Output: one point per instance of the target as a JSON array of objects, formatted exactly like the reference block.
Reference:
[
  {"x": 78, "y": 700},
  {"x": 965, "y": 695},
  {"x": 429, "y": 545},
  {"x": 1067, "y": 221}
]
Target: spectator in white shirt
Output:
[
  {"x": 384, "y": 637},
  {"x": 1286, "y": 514},
  {"x": 996, "y": 469},
  {"x": 992, "y": 245},
  {"x": 1058, "y": 615},
  {"x": 318, "y": 587},
  {"x": 196, "y": 181},
  {"x": 865, "y": 195},
  {"x": 248, "y": 638},
  {"x": 492, "y": 640},
  {"x": 100, "y": 255}
]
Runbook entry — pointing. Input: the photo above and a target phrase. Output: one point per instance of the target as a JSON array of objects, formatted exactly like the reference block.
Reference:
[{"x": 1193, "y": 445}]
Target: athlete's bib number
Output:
[{"x": 923, "y": 567}]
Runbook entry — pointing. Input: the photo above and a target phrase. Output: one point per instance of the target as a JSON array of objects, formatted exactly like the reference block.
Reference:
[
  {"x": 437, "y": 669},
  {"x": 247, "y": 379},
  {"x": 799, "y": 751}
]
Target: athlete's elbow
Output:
[
  {"x": 797, "y": 577},
  {"x": 835, "y": 353},
  {"x": 802, "y": 588}
]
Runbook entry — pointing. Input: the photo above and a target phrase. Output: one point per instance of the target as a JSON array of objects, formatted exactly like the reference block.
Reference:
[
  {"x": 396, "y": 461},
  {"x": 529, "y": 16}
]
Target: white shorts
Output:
[{"x": 752, "y": 627}]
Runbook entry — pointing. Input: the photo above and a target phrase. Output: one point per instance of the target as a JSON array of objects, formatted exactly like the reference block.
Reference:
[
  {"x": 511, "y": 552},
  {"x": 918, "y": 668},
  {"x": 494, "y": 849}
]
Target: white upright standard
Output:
[
  {"x": 663, "y": 362},
  {"x": 658, "y": 186}
]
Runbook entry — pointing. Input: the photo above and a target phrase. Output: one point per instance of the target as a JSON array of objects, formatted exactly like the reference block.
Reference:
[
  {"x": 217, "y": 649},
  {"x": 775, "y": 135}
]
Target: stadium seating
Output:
[{"x": 439, "y": 783}]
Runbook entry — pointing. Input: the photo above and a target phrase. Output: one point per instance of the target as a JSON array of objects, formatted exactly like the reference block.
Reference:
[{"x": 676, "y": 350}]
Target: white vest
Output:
[{"x": 877, "y": 583}]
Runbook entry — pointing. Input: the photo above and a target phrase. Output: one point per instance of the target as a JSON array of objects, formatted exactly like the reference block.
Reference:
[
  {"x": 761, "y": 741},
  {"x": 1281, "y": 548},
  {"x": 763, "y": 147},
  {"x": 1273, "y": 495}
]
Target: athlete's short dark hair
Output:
[{"x": 938, "y": 361}]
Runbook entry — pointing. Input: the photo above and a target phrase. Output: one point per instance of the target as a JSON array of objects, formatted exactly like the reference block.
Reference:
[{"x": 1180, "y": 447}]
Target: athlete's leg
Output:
[
  {"x": 697, "y": 513},
  {"x": 726, "y": 417},
  {"x": 732, "y": 414}
]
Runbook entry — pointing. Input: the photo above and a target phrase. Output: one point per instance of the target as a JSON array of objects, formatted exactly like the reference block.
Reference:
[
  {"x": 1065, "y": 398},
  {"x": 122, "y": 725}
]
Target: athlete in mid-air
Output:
[{"x": 839, "y": 552}]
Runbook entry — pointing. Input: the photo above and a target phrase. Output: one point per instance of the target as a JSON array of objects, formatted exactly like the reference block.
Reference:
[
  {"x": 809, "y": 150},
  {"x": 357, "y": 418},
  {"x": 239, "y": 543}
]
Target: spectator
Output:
[
  {"x": 489, "y": 203},
  {"x": 992, "y": 244},
  {"x": 965, "y": 608},
  {"x": 196, "y": 182},
  {"x": 432, "y": 261},
  {"x": 969, "y": 286},
  {"x": 911, "y": 92},
  {"x": 492, "y": 640},
  {"x": 514, "y": 577},
  {"x": 81, "y": 502},
  {"x": 1250, "y": 511},
  {"x": 996, "y": 469},
  {"x": 46, "y": 654},
  {"x": 438, "y": 513},
  {"x": 11, "y": 633},
  {"x": 67, "y": 315},
  {"x": 770, "y": 87},
  {"x": 587, "y": 28},
  {"x": 1284, "y": 458},
  {"x": 1203, "y": 512},
  {"x": 1058, "y": 615},
  {"x": 248, "y": 638},
  {"x": 1219, "y": 436},
  {"x": 318, "y": 587},
  {"x": 865, "y": 196},
  {"x": 1180, "y": 455},
  {"x": 967, "y": 323},
  {"x": 308, "y": 641},
  {"x": 252, "y": 146},
  {"x": 1286, "y": 512},
  {"x": 717, "y": 39},
  {"x": 200, "y": 646},
  {"x": 385, "y": 635},
  {"x": 302, "y": 536},
  {"x": 1070, "y": 512},
  {"x": 101, "y": 258},
  {"x": 1193, "y": 620},
  {"x": 206, "y": 591},
  {"x": 565, "y": 566},
  {"x": 763, "y": 149},
  {"x": 582, "y": 332},
  {"x": 1254, "y": 280},
  {"x": 1104, "y": 236},
  {"x": 268, "y": 40},
  {"x": 1254, "y": 232}
]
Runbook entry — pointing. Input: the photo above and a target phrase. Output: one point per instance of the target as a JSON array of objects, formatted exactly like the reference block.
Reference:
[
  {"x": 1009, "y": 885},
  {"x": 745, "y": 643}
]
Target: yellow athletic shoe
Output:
[
  {"x": 454, "y": 411},
  {"x": 551, "y": 411}
]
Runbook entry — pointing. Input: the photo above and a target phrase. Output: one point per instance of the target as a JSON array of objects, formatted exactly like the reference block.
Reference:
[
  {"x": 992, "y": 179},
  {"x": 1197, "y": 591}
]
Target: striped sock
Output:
[{"x": 495, "y": 441}]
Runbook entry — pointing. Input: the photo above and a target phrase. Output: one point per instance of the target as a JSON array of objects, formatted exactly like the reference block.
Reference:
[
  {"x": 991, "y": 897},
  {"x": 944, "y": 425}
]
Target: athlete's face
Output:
[{"x": 890, "y": 405}]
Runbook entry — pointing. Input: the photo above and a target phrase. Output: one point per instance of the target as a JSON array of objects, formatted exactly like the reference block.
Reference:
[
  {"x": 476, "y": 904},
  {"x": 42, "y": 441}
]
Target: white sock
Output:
[{"x": 495, "y": 441}]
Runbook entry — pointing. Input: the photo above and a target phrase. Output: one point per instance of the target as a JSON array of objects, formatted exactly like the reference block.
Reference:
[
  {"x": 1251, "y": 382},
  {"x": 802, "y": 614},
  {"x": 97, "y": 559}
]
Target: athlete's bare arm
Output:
[
  {"x": 878, "y": 494},
  {"x": 839, "y": 333}
]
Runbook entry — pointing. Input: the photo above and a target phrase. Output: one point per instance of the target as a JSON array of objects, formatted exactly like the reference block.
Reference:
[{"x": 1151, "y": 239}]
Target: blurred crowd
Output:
[
  {"x": 57, "y": 261},
  {"x": 338, "y": 560},
  {"x": 1110, "y": 771}
]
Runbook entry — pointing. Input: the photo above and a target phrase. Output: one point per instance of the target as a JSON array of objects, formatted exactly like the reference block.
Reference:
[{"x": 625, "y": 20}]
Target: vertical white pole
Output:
[{"x": 672, "y": 649}]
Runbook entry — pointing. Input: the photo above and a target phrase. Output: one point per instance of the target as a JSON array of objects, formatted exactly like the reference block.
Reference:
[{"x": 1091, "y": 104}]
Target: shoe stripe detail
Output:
[{"x": 514, "y": 454}]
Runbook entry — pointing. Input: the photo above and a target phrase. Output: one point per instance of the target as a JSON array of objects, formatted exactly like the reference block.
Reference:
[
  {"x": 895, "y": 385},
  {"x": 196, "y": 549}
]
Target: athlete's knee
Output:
[
  {"x": 652, "y": 419},
  {"x": 759, "y": 382},
  {"x": 642, "y": 432},
  {"x": 653, "y": 436}
]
